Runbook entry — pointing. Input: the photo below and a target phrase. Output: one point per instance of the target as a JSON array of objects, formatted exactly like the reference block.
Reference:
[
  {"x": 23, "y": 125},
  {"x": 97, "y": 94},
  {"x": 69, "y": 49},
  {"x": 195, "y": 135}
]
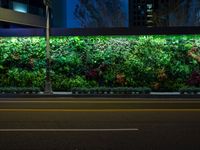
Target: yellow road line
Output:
[
  {"x": 77, "y": 99},
  {"x": 107, "y": 102},
  {"x": 99, "y": 110},
  {"x": 97, "y": 99}
]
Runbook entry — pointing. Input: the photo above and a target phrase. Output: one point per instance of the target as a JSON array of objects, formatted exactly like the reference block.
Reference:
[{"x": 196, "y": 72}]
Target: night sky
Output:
[{"x": 72, "y": 22}]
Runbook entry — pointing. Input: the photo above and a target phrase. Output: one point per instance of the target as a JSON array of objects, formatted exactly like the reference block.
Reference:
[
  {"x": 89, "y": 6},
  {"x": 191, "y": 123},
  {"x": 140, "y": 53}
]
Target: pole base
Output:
[{"x": 48, "y": 88}]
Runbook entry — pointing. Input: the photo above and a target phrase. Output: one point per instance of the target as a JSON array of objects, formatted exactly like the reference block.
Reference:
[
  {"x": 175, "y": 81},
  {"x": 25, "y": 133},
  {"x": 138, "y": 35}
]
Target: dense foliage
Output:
[{"x": 159, "y": 62}]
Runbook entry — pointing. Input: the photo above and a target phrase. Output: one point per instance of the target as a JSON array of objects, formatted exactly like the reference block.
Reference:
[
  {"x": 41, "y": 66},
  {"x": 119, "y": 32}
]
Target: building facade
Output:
[
  {"x": 35, "y": 7},
  {"x": 21, "y": 13},
  {"x": 105, "y": 13},
  {"x": 141, "y": 13}
]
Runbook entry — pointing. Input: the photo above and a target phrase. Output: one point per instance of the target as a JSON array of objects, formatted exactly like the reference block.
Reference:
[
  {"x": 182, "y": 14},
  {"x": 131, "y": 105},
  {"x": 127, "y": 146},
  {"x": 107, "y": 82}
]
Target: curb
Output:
[{"x": 162, "y": 96}]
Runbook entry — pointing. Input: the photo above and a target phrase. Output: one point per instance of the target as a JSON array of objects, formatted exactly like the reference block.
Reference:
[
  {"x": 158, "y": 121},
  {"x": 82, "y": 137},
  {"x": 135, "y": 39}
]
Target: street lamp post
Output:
[{"x": 48, "y": 84}]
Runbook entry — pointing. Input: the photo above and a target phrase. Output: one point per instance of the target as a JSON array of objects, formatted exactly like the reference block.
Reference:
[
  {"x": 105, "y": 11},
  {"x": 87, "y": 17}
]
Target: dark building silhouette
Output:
[
  {"x": 34, "y": 7},
  {"x": 176, "y": 13},
  {"x": 140, "y": 13},
  {"x": 27, "y": 6}
]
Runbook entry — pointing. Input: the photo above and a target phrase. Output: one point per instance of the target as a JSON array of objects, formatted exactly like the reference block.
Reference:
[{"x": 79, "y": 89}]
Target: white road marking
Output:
[{"x": 69, "y": 130}]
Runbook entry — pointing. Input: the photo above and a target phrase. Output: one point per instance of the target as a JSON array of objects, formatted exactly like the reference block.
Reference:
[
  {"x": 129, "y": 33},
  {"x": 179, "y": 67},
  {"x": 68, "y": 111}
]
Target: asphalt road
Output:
[{"x": 99, "y": 124}]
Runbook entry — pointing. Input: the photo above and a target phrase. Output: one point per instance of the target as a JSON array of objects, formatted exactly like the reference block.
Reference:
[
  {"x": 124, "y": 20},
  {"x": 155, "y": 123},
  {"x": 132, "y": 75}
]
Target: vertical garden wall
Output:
[{"x": 163, "y": 63}]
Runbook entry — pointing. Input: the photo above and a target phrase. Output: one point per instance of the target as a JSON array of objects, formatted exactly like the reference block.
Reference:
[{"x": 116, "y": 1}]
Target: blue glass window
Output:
[{"x": 20, "y": 7}]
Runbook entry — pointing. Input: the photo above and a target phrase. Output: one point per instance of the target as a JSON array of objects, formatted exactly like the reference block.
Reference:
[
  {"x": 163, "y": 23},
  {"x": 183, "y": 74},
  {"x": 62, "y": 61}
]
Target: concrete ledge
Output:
[
  {"x": 21, "y": 18},
  {"x": 160, "y": 95}
]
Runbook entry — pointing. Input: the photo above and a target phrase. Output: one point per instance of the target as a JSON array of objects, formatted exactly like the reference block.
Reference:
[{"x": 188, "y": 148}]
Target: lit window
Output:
[
  {"x": 149, "y": 6},
  {"x": 19, "y": 7}
]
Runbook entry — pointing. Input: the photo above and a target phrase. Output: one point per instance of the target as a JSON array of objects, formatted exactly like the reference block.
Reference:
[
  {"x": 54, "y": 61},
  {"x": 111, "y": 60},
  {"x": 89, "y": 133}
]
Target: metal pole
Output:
[{"x": 48, "y": 84}]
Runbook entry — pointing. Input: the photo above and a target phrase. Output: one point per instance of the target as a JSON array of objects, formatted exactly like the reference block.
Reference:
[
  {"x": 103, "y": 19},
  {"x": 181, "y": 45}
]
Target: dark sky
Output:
[{"x": 73, "y": 23}]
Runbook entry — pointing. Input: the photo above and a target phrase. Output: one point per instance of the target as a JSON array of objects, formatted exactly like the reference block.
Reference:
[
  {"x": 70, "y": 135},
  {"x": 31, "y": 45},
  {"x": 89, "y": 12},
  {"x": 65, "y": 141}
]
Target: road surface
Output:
[{"x": 99, "y": 124}]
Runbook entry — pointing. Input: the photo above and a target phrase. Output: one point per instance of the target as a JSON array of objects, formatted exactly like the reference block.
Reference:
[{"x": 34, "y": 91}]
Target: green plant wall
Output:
[{"x": 159, "y": 62}]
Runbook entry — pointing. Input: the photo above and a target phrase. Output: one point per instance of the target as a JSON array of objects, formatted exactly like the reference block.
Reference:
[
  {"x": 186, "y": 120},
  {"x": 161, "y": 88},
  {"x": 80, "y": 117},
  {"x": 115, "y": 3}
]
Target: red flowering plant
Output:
[
  {"x": 120, "y": 79},
  {"x": 92, "y": 74},
  {"x": 96, "y": 72},
  {"x": 194, "y": 79}
]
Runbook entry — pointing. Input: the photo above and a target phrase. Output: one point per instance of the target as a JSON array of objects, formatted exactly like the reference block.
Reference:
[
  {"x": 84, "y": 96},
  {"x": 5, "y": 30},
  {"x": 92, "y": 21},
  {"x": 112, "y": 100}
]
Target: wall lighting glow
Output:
[{"x": 20, "y": 7}]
